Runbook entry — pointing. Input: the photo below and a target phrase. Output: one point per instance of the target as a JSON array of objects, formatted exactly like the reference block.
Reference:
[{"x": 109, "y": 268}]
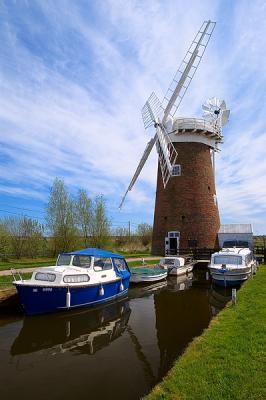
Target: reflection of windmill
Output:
[{"x": 186, "y": 212}]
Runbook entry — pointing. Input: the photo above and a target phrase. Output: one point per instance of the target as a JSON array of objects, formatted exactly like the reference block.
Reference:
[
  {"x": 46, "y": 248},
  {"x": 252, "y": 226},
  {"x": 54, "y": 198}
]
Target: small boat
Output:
[
  {"x": 145, "y": 275},
  {"x": 177, "y": 265},
  {"x": 232, "y": 266},
  {"x": 80, "y": 279}
]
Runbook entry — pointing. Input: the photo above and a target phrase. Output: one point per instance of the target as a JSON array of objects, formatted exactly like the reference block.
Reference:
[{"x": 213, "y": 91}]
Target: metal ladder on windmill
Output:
[{"x": 160, "y": 115}]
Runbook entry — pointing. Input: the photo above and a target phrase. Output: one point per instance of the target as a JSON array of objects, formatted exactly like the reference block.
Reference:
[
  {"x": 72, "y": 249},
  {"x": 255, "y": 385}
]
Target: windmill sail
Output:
[
  {"x": 146, "y": 154},
  {"x": 166, "y": 152},
  {"x": 186, "y": 70},
  {"x": 153, "y": 109}
]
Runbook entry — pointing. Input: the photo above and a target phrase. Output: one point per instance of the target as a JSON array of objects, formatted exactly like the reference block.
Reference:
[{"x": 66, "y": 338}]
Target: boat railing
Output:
[{"x": 16, "y": 275}]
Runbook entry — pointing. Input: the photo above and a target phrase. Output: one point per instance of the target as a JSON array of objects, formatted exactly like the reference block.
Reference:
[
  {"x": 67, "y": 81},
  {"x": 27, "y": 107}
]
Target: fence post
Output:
[{"x": 234, "y": 296}]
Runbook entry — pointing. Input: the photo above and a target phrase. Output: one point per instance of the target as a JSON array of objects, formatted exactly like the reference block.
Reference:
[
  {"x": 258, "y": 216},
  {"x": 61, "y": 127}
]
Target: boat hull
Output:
[
  {"x": 181, "y": 270},
  {"x": 47, "y": 299},
  {"x": 228, "y": 278},
  {"x": 138, "y": 277}
]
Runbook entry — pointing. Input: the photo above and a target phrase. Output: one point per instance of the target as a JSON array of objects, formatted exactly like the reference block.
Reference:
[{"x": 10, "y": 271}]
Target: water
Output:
[{"x": 119, "y": 351}]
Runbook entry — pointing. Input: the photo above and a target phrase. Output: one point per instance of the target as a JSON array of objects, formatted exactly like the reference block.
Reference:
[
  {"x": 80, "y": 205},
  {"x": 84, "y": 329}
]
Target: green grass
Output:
[
  {"x": 139, "y": 263},
  {"x": 228, "y": 360},
  {"x": 27, "y": 263},
  {"x": 7, "y": 280},
  {"x": 46, "y": 261}
]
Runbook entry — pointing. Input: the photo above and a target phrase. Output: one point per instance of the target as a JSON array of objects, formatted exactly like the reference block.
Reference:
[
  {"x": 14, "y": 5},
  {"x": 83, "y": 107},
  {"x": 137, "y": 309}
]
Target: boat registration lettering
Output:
[
  {"x": 48, "y": 289},
  {"x": 35, "y": 290}
]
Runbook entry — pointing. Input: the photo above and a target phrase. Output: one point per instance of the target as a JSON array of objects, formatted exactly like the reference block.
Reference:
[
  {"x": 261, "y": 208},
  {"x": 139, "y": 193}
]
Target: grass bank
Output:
[
  {"x": 25, "y": 262},
  {"x": 228, "y": 360}
]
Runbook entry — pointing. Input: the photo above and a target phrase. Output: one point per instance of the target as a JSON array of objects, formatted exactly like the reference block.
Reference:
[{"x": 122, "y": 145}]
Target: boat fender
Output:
[
  {"x": 68, "y": 299},
  {"x": 121, "y": 288},
  {"x": 101, "y": 291}
]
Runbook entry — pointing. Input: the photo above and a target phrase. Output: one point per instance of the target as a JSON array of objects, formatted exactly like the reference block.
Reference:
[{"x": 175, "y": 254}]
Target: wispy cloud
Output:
[{"x": 74, "y": 76}]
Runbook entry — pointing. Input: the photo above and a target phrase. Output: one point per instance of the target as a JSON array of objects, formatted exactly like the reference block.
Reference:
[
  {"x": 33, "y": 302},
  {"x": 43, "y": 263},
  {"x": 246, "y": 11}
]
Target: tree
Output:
[
  {"x": 4, "y": 240},
  {"x": 121, "y": 236},
  {"x": 25, "y": 235},
  {"x": 144, "y": 231},
  {"x": 33, "y": 236},
  {"x": 61, "y": 217},
  {"x": 84, "y": 215},
  {"x": 100, "y": 223}
]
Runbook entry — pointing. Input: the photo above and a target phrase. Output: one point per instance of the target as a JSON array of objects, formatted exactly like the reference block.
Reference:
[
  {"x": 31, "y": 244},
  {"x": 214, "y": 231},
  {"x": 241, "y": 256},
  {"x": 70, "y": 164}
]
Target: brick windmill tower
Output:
[{"x": 186, "y": 212}]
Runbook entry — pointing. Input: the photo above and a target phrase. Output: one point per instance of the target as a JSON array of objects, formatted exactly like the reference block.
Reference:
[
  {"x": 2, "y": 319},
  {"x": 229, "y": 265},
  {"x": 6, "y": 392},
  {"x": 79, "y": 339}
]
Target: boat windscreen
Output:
[
  {"x": 169, "y": 261},
  {"x": 82, "y": 261},
  {"x": 63, "y": 259},
  {"x": 223, "y": 259}
]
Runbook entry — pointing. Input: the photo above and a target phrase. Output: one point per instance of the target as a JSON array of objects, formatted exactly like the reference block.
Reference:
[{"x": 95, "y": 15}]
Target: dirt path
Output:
[{"x": 7, "y": 272}]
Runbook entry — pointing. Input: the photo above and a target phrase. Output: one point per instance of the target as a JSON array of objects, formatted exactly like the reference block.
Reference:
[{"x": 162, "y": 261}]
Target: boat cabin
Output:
[
  {"x": 82, "y": 267},
  {"x": 232, "y": 256}
]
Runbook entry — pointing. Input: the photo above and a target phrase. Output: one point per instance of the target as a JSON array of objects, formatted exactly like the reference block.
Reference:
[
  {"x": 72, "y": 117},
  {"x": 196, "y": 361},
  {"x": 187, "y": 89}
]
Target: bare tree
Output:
[
  {"x": 84, "y": 216},
  {"x": 121, "y": 236},
  {"x": 100, "y": 223},
  {"x": 144, "y": 231},
  {"x": 4, "y": 240},
  {"x": 25, "y": 234},
  {"x": 61, "y": 217}
]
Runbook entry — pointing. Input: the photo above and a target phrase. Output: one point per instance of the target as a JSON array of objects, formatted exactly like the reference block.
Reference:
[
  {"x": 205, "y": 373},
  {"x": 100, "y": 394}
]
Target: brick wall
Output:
[{"x": 187, "y": 203}]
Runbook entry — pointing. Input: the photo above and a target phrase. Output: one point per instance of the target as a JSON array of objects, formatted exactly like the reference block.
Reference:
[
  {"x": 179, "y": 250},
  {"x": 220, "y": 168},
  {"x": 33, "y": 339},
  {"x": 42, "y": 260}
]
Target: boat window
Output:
[
  {"x": 103, "y": 263},
  {"x": 45, "y": 276},
  {"x": 236, "y": 260},
  {"x": 168, "y": 261},
  {"x": 63, "y": 259},
  {"x": 121, "y": 264},
  {"x": 82, "y": 261},
  {"x": 76, "y": 278},
  {"x": 235, "y": 243}
]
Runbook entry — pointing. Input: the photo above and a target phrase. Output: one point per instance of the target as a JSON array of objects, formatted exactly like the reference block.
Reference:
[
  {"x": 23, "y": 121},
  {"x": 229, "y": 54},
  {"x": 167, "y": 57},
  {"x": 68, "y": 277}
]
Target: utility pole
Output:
[{"x": 129, "y": 233}]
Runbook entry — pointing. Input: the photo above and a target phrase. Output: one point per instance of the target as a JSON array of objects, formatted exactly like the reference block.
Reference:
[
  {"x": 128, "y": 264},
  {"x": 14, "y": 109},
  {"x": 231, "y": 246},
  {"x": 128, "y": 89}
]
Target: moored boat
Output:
[
  {"x": 177, "y": 265},
  {"x": 145, "y": 275},
  {"x": 80, "y": 279},
  {"x": 232, "y": 266}
]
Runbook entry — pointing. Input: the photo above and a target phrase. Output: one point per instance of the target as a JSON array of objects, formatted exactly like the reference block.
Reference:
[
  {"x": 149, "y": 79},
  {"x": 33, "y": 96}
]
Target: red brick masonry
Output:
[{"x": 187, "y": 203}]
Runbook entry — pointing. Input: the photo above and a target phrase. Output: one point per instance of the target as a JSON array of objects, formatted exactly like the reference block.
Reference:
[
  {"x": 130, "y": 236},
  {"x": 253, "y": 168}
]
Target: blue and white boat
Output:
[
  {"x": 232, "y": 266},
  {"x": 80, "y": 279}
]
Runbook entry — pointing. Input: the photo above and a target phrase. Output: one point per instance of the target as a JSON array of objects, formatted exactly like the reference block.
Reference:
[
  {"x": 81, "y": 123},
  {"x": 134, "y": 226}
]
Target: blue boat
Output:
[{"x": 81, "y": 278}]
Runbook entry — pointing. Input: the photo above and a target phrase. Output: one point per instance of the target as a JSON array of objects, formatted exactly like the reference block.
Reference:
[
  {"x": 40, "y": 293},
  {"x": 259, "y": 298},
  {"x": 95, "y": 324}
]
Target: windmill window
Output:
[
  {"x": 183, "y": 218},
  {"x": 176, "y": 170},
  {"x": 209, "y": 189}
]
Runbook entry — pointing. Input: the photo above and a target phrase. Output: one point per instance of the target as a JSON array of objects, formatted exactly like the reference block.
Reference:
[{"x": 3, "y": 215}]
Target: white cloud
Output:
[{"x": 72, "y": 87}]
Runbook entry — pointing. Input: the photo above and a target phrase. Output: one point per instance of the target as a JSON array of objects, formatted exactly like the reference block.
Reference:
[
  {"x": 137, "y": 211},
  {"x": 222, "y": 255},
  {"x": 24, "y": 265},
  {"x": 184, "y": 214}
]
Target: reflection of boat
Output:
[
  {"x": 80, "y": 279},
  {"x": 140, "y": 275},
  {"x": 232, "y": 266},
  {"x": 138, "y": 291},
  {"x": 177, "y": 265},
  {"x": 219, "y": 297},
  {"x": 181, "y": 282},
  {"x": 85, "y": 331}
]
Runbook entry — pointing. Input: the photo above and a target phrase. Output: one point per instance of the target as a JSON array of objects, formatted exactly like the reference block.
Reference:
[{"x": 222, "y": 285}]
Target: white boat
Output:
[
  {"x": 83, "y": 278},
  {"x": 177, "y": 265},
  {"x": 145, "y": 275},
  {"x": 232, "y": 266}
]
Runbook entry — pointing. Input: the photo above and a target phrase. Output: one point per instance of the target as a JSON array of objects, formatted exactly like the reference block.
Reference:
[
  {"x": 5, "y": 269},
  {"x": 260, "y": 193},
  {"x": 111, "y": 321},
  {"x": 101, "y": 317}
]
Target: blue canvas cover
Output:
[{"x": 95, "y": 253}]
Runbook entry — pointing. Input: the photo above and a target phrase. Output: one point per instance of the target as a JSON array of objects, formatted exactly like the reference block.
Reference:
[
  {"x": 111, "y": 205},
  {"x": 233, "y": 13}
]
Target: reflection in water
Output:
[
  {"x": 180, "y": 316},
  {"x": 85, "y": 331},
  {"x": 219, "y": 297},
  {"x": 119, "y": 350}
]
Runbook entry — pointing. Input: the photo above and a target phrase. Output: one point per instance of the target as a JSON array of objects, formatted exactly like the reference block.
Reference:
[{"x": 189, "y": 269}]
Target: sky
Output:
[{"x": 74, "y": 76}]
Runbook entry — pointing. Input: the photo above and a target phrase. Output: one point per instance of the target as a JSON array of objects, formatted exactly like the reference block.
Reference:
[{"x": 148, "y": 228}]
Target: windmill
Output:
[{"x": 171, "y": 138}]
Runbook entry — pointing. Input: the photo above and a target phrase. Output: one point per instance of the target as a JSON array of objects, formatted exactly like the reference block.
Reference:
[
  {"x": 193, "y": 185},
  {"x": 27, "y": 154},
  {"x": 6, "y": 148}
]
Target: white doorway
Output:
[{"x": 172, "y": 243}]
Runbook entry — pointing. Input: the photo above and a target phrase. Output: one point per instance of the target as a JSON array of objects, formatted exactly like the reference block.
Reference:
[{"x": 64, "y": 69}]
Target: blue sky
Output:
[{"x": 75, "y": 74}]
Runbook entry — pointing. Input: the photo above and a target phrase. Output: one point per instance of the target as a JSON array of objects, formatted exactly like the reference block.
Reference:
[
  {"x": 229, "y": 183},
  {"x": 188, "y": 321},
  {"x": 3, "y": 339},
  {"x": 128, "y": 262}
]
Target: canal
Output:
[{"x": 119, "y": 351}]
